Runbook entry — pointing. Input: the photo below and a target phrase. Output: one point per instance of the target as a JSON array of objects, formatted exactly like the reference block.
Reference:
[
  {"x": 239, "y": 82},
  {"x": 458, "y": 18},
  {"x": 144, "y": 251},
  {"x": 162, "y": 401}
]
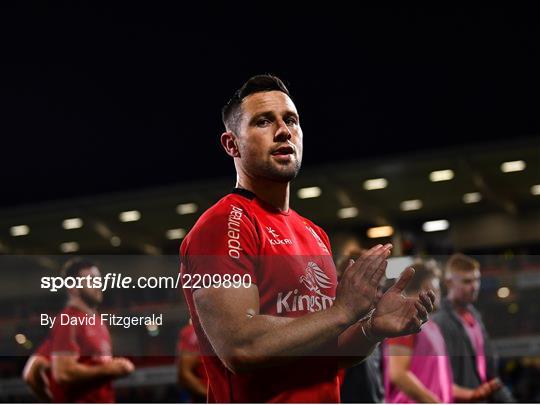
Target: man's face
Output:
[
  {"x": 464, "y": 286},
  {"x": 91, "y": 296},
  {"x": 270, "y": 137}
]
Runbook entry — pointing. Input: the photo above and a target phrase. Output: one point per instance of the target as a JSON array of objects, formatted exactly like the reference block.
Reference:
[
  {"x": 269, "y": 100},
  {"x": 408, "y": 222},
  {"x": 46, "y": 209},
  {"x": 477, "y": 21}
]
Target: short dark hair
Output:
[
  {"x": 231, "y": 113},
  {"x": 73, "y": 267},
  {"x": 423, "y": 270}
]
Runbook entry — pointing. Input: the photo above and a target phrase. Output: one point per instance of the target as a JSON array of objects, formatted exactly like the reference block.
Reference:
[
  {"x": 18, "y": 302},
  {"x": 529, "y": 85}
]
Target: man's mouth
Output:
[{"x": 284, "y": 150}]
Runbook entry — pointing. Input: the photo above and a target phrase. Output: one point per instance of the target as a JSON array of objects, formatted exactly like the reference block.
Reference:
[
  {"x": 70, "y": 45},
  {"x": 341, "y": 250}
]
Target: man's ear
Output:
[{"x": 229, "y": 143}]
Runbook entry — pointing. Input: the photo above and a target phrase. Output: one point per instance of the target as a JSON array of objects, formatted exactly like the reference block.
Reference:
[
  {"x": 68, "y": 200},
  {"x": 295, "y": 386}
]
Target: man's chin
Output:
[
  {"x": 287, "y": 173},
  {"x": 284, "y": 177}
]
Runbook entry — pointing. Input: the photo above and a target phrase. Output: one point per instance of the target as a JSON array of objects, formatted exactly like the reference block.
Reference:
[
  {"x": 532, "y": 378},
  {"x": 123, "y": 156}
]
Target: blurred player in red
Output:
[
  {"x": 190, "y": 369},
  {"x": 37, "y": 371},
  {"x": 81, "y": 355},
  {"x": 281, "y": 335}
]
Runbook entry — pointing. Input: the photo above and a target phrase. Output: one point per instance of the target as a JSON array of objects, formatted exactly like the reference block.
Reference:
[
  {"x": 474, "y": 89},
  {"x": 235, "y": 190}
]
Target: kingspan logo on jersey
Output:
[
  {"x": 314, "y": 279},
  {"x": 275, "y": 238}
]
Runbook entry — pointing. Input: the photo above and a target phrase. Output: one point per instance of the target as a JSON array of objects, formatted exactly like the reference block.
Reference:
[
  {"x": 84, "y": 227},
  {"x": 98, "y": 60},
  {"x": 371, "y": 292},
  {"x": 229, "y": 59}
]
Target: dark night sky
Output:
[{"x": 106, "y": 98}]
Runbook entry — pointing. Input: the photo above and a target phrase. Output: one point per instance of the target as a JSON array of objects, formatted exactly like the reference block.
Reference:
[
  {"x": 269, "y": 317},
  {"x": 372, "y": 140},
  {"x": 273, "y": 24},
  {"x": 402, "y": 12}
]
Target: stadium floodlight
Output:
[
  {"x": 178, "y": 233},
  {"x": 130, "y": 216},
  {"x": 72, "y": 223},
  {"x": 503, "y": 292},
  {"x": 435, "y": 226},
  {"x": 441, "y": 175},
  {"x": 471, "y": 198},
  {"x": 308, "y": 192},
  {"x": 375, "y": 184},
  {"x": 380, "y": 232},
  {"x": 410, "y": 205},
  {"x": 187, "y": 208},
  {"x": 513, "y": 166},
  {"x": 348, "y": 212},
  {"x": 69, "y": 247},
  {"x": 20, "y": 338},
  {"x": 19, "y": 230}
]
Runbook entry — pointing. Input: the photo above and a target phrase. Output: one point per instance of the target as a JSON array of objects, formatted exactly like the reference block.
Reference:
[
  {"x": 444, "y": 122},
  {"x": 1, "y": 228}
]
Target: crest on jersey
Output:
[{"x": 315, "y": 278}]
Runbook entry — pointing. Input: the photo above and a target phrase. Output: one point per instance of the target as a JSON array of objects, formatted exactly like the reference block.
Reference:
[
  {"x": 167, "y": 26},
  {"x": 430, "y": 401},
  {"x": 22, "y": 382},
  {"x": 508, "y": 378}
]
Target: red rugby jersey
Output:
[
  {"x": 92, "y": 343},
  {"x": 187, "y": 342},
  {"x": 289, "y": 259}
]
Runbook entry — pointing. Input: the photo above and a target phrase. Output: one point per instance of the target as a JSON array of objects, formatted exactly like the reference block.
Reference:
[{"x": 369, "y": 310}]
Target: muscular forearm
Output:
[
  {"x": 267, "y": 340},
  {"x": 353, "y": 345},
  {"x": 407, "y": 382}
]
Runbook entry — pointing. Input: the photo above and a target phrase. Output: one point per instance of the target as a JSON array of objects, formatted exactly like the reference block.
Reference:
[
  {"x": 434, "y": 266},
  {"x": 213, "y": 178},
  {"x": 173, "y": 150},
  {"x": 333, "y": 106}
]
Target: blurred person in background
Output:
[
  {"x": 81, "y": 355},
  {"x": 37, "y": 371},
  {"x": 472, "y": 358},
  {"x": 417, "y": 367},
  {"x": 190, "y": 370},
  {"x": 363, "y": 382}
]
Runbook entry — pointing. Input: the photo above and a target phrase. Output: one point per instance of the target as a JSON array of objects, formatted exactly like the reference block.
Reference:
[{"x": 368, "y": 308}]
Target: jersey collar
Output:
[{"x": 244, "y": 193}]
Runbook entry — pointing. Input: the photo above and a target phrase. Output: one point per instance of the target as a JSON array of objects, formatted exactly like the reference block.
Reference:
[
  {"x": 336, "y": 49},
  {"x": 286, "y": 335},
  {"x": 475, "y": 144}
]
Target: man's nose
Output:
[{"x": 283, "y": 133}]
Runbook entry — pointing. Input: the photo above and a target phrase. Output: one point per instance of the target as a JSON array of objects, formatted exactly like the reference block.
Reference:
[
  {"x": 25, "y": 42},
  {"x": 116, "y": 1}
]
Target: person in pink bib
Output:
[{"x": 416, "y": 367}]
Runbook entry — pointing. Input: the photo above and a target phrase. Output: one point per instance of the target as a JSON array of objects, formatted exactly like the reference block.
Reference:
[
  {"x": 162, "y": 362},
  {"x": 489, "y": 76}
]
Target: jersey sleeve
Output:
[
  {"x": 407, "y": 341},
  {"x": 324, "y": 238},
  {"x": 322, "y": 235},
  {"x": 187, "y": 341},
  {"x": 225, "y": 242},
  {"x": 44, "y": 349},
  {"x": 63, "y": 340}
]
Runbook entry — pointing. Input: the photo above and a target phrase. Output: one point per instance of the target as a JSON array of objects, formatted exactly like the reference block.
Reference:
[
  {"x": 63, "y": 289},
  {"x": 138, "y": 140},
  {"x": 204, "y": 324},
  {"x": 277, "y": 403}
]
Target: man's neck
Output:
[
  {"x": 271, "y": 192},
  {"x": 79, "y": 304}
]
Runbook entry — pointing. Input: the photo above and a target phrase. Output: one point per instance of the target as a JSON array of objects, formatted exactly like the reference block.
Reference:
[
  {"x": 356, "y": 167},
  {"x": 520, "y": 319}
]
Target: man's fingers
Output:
[
  {"x": 426, "y": 301},
  {"x": 378, "y": 267},
  {"x": 422, "y": 312},
  {"x": 495, "y": 384},
  {"x": 373, "y": 249},
  {"x": 404, "y": 279},
  {"x": 379, "y": 273},
  {"x": 362, "y": 263},
  {"x": 374, "y": 268},
  {"x": 378, "y": 297},
  {"x": 349, "y": 266},
  {"x": 416, "y": 323},
  {"x": 370, "y": 257},
  {"x": 432, "y": 296}
]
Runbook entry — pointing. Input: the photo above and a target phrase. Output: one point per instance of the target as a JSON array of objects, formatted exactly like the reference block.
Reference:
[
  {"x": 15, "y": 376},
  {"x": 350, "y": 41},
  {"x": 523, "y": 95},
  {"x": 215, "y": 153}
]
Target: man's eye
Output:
[
  {"x": 263, "y": 122},
  {"x": 291, "y": 121}
]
